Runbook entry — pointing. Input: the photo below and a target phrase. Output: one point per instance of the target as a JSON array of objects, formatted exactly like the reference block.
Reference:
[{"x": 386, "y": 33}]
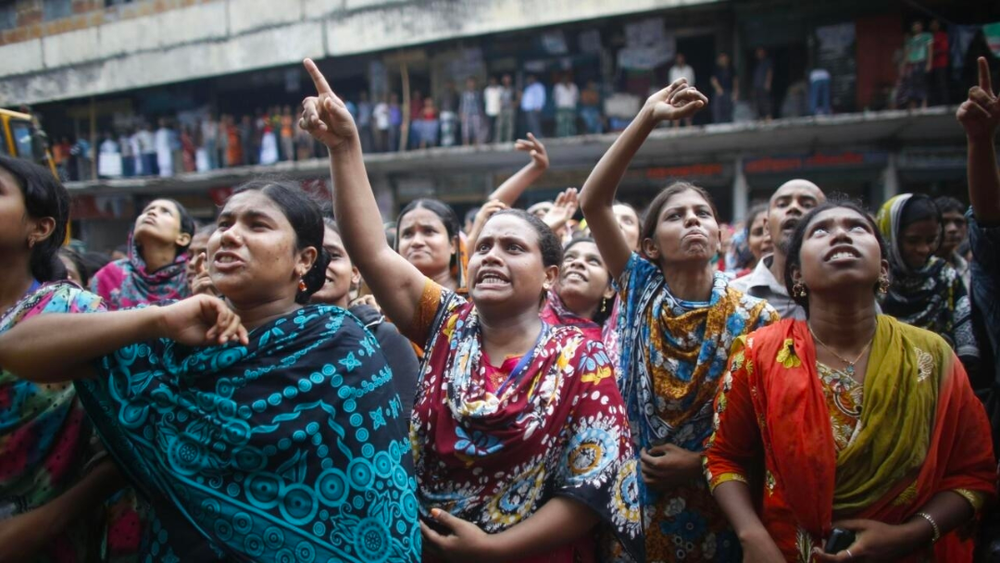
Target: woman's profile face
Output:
[
  {"x": 340, "y": 272},
  {"x": 628, "y": 221},
  {"x": 252, "y": 254}
]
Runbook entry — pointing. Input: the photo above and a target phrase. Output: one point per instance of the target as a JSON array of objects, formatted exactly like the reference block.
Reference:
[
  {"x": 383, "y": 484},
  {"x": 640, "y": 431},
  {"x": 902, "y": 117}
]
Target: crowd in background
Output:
[
  {"x": 818, "y": 383},
  {"x": 495, "y": 112}
]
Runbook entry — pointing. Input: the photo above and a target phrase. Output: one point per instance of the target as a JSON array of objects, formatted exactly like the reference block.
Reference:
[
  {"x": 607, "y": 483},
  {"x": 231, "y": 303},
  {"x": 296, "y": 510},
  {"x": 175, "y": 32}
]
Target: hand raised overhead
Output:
[
  {"x": 324, "y": 115},
  {"x": 677, "y": 101},
  {"x": 980, "y": 114},
  {"x": 535, "y": 148}
]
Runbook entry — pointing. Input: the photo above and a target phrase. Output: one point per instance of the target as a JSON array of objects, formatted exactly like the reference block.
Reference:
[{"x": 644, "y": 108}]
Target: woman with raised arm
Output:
[
  {"x": 518, "y": 431},
  {"x": 924, "y": 290},
  {"x": 156, "y": 267},
  {"x": 49, "y": 496},
  {"x": 677, "y": 323},
  {"x": 850, "y": 421},
  {"x": 278, "y": 444}
]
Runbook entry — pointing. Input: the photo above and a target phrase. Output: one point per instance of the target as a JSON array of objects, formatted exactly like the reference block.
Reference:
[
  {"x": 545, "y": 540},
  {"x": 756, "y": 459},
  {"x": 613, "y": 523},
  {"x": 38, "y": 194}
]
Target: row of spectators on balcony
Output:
[{"x": 475, "y": 116}]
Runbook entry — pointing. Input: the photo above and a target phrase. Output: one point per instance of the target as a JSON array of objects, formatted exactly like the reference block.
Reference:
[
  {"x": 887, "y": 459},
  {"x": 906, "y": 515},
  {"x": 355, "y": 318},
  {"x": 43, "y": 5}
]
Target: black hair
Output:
[
  {"x": 607, "y": 304},
  {"x": 548, "y": 242},
  {"x": 44, "y": 196},
  {"x": 82, "y": 265},
  {"x": 452, "y": 227},
  {"x": 918, "y": 207},
  {"x": 948, "y": 204},
  {"x": 661, "y": 199},
  {"x": 794, "y": 260},
  {"x": 307, "y": 221}
]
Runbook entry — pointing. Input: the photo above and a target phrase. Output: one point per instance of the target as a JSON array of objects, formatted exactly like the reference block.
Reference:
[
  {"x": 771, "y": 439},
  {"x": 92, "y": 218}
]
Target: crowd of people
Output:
[
  {"x": 300, "y": 383},
  {"x": 495, "y": 112}
]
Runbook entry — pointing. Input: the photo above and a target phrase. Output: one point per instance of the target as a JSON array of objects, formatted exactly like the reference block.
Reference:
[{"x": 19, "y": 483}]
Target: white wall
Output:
[{"x": 229, "y": 36}]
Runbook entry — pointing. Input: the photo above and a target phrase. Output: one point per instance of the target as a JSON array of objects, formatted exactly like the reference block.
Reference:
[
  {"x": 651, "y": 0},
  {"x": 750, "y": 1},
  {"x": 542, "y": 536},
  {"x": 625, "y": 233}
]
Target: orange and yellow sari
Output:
[{"x": 815, "y": 446}]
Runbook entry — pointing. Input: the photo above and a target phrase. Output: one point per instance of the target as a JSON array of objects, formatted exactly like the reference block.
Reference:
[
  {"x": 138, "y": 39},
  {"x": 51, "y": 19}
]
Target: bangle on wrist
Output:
[{"x": 930, "y": 520}]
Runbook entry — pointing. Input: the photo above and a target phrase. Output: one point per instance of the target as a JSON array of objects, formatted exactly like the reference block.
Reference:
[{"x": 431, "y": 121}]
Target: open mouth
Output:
[
  {"x": 575, "y": 276},
  {"x": 492, "y": 279},
  {"x": 842, "y": 253}
]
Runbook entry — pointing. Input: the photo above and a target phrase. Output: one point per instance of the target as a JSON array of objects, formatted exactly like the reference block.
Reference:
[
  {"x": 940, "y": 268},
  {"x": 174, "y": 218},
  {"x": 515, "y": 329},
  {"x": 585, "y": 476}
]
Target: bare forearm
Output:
[
  {"x": 41, "y": 349},
  {"x": 395, "y": 283},
  {"x": 509, "y": 191},
  {"x": 558, "y": 522},
  {"x": 736, "y": 503},
  {"x": 601, "y": 186},
  {"x": 598, "y": 195},
  {"x": 948, "y": 509},
  {"x": 984, "y": 180}
]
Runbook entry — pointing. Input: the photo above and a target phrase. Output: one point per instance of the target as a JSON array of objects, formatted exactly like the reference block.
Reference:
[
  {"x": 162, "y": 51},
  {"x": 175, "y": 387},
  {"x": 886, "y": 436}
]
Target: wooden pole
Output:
[
  {"x": 404, "y": 130},
  {"x": 93, "y": 139}
]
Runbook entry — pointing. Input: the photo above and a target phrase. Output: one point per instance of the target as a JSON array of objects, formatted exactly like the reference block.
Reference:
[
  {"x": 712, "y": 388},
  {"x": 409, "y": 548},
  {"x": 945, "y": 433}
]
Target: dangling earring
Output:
[
  {"x": 883, "y": 285},
  {"x": 799, "y": 290},
  {"x": 302, "y": 285},
  {"x": 31, "y": 243},
  {"x": 604, "y": 306}
]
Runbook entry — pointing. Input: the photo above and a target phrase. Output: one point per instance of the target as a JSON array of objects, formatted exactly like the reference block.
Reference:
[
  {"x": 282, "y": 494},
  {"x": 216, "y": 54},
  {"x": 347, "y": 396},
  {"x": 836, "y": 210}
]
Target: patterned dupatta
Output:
[
  {"x": 288, "y": 449},
  {"x": 125, "y": 283},
  {"x": 555, "y": 426},
  {"x": 44, "y": 432},
  {"x": 674, "y": 351},
  {"x": 555, "y": 313},
  {"x": 921, "y": 429}
]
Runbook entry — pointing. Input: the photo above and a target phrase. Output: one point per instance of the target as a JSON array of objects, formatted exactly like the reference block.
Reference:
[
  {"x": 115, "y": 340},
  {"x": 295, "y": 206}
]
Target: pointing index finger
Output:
[
  {"x": 985, "y": 82},
  {"x": 322, "y": 87}
]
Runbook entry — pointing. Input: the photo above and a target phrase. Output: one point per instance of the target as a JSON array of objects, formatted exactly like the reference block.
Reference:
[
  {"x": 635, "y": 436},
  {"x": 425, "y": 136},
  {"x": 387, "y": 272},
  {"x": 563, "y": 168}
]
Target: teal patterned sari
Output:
[{"x": 288, "y": 449}]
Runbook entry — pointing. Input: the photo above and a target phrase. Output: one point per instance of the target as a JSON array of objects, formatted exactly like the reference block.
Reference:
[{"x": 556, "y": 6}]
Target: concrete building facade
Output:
[{"x": 86, "y": 64}]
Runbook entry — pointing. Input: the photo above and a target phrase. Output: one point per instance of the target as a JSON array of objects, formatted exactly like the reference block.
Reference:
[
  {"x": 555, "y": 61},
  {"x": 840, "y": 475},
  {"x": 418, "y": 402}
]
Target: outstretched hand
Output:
[
  {"x": 563, "y": 210},
  {"x": 980, "y": 114},
  {"x": 677, "y": 101},
  {"x": 202, "y": 320},
  {"x": 324, "y": 115},
  {"x": 536, "y": 149}
]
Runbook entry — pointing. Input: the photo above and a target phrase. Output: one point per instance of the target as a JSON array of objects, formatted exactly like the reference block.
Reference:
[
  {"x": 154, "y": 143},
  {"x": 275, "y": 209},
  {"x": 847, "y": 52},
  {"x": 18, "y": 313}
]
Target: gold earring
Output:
[
  {"x": 883, "y": 285},
  {"x": 799, "y": 290}
]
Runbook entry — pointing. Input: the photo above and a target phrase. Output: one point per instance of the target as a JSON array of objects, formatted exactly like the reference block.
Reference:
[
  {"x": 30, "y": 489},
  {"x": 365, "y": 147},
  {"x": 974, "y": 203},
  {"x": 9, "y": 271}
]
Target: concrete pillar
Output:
[
  {"x": 890, "y": 180},
  {"x": 741, "y": 191}
]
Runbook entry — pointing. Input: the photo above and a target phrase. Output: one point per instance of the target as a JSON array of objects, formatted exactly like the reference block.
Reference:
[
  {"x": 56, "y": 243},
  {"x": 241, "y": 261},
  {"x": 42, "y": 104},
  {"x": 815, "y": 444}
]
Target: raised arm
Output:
[
  {"x": 980, "y": 116},
  {"x": 42, "y": 348},
  {"x": 396, "y": 284},
  {"x": 674, "y": 102},
  {"x": 509, "y": 191}
]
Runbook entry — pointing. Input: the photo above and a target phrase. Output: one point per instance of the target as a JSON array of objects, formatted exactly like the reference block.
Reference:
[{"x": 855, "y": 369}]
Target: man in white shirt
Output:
[
  {"x": 682, "y": 70},
  {"x": 532, "y": 103},
  {"x": 566, "y": 96},
  {"x": 492, "y": 95}
]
